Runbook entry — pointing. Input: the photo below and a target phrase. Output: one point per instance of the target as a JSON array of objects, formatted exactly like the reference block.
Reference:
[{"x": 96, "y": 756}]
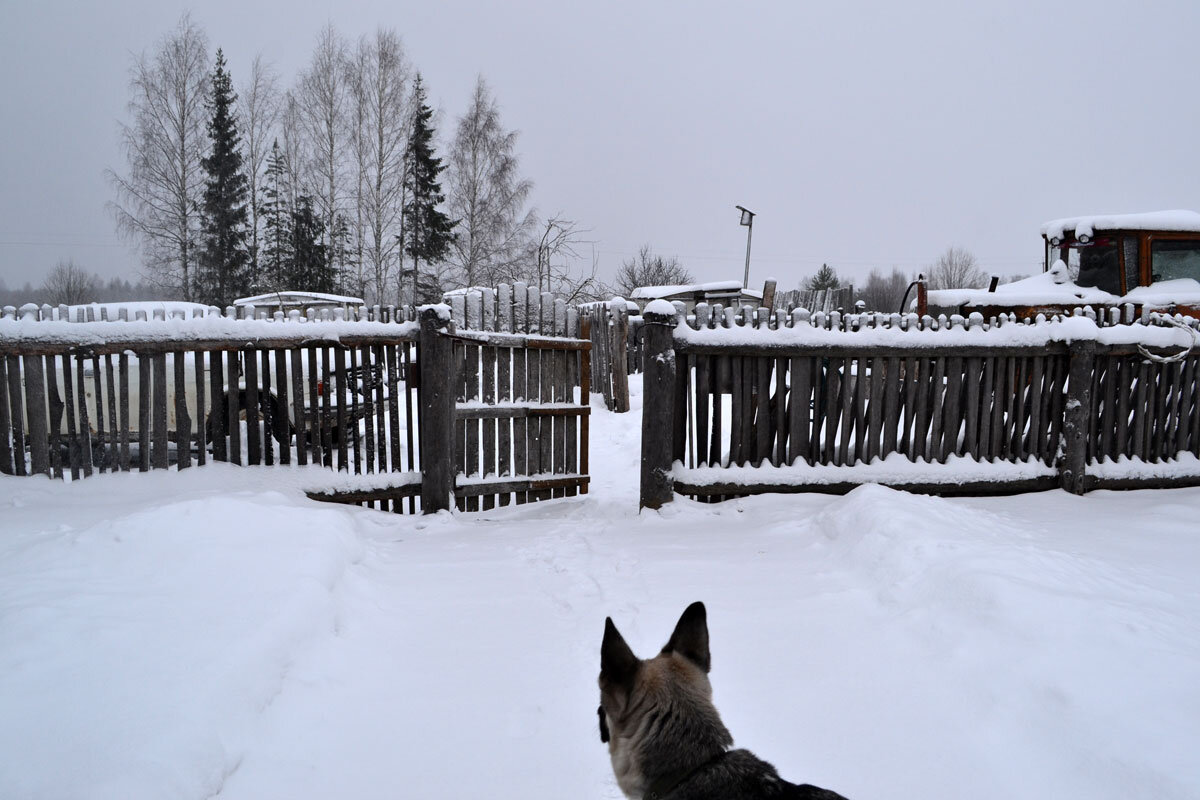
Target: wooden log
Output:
[
  {"x": 437, "y": 390},
  {"x": 56, "y": 415},
  {"x": 123, "y": 370},
  {"x": 36, "y": 408},
  {"x": 159, "y": 457},
  {"x": 1183, "y": 428},
  {"x": 657, "y": 487},
  {"x": 183, "y": 422}
]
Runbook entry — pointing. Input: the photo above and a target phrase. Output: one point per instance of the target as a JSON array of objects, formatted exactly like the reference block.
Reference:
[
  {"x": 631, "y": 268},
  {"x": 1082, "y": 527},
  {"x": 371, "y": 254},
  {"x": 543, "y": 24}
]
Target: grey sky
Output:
[{"x": 863, "y": 134}]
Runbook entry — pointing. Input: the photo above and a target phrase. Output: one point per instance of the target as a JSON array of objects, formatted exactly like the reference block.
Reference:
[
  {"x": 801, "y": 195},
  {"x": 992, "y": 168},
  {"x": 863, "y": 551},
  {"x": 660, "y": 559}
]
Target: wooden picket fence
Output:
[
  {"x": 817, "y": 401},
  {"x": 420, "y": 413}
]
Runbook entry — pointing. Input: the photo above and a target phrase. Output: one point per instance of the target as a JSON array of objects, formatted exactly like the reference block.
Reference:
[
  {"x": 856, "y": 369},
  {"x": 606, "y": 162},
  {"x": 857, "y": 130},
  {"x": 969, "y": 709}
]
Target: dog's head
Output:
[{"x": 643, "y": 703}]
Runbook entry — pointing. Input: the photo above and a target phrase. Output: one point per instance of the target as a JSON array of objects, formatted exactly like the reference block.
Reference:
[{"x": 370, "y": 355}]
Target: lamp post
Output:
[{"x": 748, "y": 221}]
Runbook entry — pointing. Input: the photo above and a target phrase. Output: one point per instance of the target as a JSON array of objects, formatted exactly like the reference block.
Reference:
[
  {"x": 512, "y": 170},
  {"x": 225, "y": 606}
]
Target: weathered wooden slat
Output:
[
  {"x": 298, "y": 418},
  {"x": 721, "y": 382},
  {"x": 367, "y": 384},
  {"x": 546, "y": 388},
  {"x": 891, "y": 406},
  {"x": 779, "y": 425},
  {"x": 74, "y": 450},
  {"x": 679, "y": 410},
  {"x": 936, "y": 410},
  {"x": 145, "y": 407},
  {"x": 102, "y": 460},
  {"x": 183, "y": 421},
  {"x": 273, "y": 419},
  {"x": 379, "y": 378},
  {"x": 953, "y": 411},
  {"x": 159, "y": 442},
  {"x": 315, "y": 419},
  {"x": 233, "y": 423},
  {"x": 342, "y": 381},
  {"x": 762, "y": 409},
  {"x": 85, "y": 427},
  {"x": 851, "y": 391},
  {"x": 504, "y": 395},
  {"x": 55, "y": 402},
  {"x": 800, "y": 411},
  {"x": 253, "y": 442},
  {"x": 831, "y": 409},
  {"x": 351, "y": 431},
  {"x": 520, "y": 426},
  {"x": 329, "y": 379},
  {"x": 912, "y": 383},
  {"x": 875, "y": 403},
  {"x": 6, "y": 427},
  {"x": 1036, "y": 417},
  {"x": 394, "y": 360},
  {"x": 1184, "y": 426},
  {"x": 123, "y": 370},
  {"x": 703, "y": 397},
  {"x": 1020, "y": 384},
  {"x": 488, "y": 395},
  {"x": 467, "y": 430},
  {"x": 749, "y": 382},
  {"x": 1124, "y": 381},
  {"x": 1107, "y": 416},
  {"x": 36, "y": 408},
  {"x": 737, "y": 410}
]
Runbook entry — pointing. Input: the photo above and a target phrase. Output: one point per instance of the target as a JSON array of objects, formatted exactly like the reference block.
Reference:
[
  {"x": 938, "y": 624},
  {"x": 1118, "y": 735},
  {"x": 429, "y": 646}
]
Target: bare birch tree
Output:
[
  {"x": 487, "y": 196},
  {"x": 957, "y": 268},
  {"x": 70, "y": 284},
  {"x": 158, "y": 199},
  {"x": 258, "y": 109},
  {"x": 322, "y": 100},
  {"x": 379, "y": 75},
  {"x": 648, "y": 269}
]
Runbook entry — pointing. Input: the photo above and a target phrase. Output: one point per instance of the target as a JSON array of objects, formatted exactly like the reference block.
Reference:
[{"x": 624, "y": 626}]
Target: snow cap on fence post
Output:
[{"x": 657, "y": 485}]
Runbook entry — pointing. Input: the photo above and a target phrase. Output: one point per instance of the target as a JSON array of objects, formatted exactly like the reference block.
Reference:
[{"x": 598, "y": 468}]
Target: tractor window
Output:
[
  {"x": 1099, "y": 267},
  {"x": 1170, "y": 260}
]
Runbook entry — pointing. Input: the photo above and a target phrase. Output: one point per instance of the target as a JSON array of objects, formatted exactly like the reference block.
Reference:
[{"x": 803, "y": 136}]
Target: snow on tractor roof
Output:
[
  {"x": 297, "y": 298},
  {"x": 1178, "y": 220}
]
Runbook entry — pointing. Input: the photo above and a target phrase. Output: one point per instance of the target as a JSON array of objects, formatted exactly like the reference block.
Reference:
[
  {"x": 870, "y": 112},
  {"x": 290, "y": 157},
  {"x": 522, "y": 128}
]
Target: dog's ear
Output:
[
  {"x": 690, "y": 638},
  {"x": 617, "y": 662}
]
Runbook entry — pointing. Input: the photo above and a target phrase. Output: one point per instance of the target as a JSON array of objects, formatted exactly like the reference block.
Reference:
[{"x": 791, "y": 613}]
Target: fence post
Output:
[
  {"x": 436, "y": 399},
  {"x": 620, "y": 357},
  {"x": 657, "y": 485},
  {"x": 1076, "y": 414}
]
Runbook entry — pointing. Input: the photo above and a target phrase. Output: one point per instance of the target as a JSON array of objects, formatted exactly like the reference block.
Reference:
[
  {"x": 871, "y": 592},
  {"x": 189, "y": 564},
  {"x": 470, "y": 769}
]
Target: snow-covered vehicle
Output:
[{"x": 1148, "y": 260}]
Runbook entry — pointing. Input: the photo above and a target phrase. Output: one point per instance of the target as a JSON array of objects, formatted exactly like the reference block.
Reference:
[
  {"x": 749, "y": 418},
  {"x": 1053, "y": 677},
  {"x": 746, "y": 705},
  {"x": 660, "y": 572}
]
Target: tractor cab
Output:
[{"x": 1150, "y": 261}]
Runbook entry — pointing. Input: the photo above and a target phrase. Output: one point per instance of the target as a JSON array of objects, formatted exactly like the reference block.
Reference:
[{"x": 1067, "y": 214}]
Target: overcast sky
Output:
[{"x": 863, "y": 134}]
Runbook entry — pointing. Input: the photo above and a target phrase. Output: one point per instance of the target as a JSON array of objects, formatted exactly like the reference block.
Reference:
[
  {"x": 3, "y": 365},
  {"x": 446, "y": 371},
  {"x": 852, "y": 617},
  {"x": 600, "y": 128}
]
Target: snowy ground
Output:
[{"x": 210, "y": 634}]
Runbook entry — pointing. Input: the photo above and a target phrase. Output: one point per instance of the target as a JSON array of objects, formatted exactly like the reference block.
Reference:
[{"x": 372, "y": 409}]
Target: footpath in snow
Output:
[{"x": 213, "y": 633}]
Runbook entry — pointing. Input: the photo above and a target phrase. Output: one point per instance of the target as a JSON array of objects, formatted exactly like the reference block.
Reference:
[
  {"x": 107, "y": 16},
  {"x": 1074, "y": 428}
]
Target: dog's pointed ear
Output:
[
  {"x": 617, "y": 662},
  {"x": 690, "y": 638}
]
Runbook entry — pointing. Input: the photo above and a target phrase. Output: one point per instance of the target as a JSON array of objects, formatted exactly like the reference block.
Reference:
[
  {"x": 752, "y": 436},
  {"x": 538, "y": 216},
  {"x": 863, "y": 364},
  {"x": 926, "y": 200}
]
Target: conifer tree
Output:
[
  {"x": 428, "y": 231},
  {"x": 223, "y": 273},
  {"x": 826, "y": 278},
  {"x": 276, "y": 257},
  {"x": 309, "y": 268}
]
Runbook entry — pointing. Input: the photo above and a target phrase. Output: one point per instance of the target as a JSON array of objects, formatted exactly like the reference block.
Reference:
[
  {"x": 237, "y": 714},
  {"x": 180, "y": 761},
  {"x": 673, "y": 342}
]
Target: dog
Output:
[{"x": 664, "y": 735}]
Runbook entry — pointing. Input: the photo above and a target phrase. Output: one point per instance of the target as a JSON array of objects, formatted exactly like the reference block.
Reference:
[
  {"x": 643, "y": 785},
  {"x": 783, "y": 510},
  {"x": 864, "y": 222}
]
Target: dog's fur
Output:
[{"x": 664, "y": 735}]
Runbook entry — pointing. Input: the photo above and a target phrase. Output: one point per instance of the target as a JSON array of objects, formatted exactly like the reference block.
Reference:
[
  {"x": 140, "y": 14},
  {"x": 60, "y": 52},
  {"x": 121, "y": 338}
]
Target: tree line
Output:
[
  {"x": 334, "y": 184},
  {"x": 70, "y": 284}
]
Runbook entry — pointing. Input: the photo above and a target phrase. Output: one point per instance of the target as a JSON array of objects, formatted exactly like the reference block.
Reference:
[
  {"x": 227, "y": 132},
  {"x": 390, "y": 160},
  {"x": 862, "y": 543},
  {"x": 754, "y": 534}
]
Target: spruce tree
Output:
[
  {"x": 428, "y": 231},
  {"x": 224, "y": 262},
  {"x": 309, "y": 269},
  {"x": 276, "y": 259},
  {"x": 826, "y": 278}
]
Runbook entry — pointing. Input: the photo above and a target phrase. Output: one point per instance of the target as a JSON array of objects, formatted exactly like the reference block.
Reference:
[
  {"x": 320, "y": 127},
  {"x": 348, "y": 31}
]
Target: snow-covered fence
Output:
[
  {"x": 522, "y": 361},
  {"x": 822, "y": 403},
  {"x": 414, "y": 416}
]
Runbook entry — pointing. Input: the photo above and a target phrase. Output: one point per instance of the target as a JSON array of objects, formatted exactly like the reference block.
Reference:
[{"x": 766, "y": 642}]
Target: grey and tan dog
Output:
[{"x": 664, "y": 735}]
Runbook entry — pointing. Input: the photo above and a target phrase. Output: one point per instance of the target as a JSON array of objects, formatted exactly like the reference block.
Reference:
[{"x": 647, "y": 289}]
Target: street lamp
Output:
[{"x": 748, "y": 221}]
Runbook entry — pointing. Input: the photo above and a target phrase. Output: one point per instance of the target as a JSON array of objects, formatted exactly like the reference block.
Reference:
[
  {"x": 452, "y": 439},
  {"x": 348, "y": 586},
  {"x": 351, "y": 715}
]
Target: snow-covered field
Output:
[{"x": 213, "y": 633}]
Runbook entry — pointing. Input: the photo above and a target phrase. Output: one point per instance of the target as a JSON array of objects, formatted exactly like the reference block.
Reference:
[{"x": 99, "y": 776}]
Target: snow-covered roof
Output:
[
  {"x": 654, "y": 292},
  {"x": 1178, "y": 220},
  {"x": 1055, "y": 288},
  {"x": 296, "y": 298}
]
